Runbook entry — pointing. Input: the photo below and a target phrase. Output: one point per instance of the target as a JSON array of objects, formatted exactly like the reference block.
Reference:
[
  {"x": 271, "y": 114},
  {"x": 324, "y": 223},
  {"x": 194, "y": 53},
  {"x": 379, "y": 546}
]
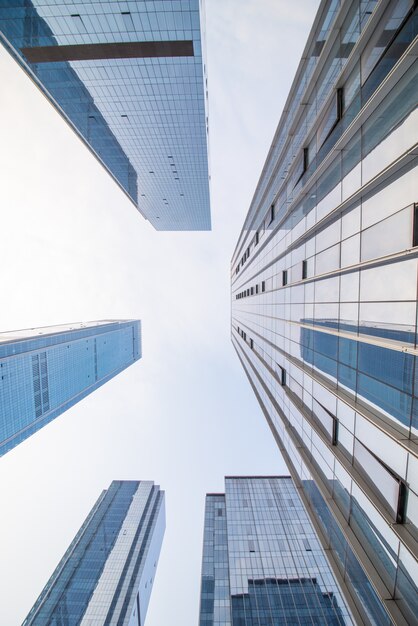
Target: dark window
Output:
[
  {"x": 284, "y": 277},
  {"x": 263, "y": 285},
  {"x": 251, "y": 344},
  {"x": 305, "y": 159},
  {"x": 282, "y": 375},
  {"x": 331, "y": 117},
  {"x": 220, "y": 513},
  {"x": 256, "y": 238},
  {"x": 272, "y": 213},
  {"x": 256, "y": 289},
  {"x": 402, "y": 500},
  {"x": 304, "y": 270},
  {"x": 252, "y": 291},
  {"x": 415, "y": 232},
  {"x": 335, "y": 432}
]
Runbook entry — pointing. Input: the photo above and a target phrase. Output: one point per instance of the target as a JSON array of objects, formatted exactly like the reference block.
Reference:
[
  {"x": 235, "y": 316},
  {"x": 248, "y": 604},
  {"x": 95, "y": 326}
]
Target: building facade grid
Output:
[
  {"x": 262, "y": 561},
  {"x": 324, "y": 296},
  {"x": 131, "y": 79},
  {"x": 45, "y": 371}
]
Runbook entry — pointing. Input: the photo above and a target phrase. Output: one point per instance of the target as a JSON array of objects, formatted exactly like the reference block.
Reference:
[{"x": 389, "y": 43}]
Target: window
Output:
[
  {"x": 256, "y": 238},
  {"x": 304, "y": 269},
  {"x": 256, "y": 289},
  {"x": 332, "y": 115},
  {"x": 281, "y": 372},
  {"x": 263, "y": 285},
  {"x": 335, "y": 432},
  {"x": 252, "y": 291},
  {"x": 415, "y": 231},
  {"x": 382, "y": 479},
  {"x": 301, "y": 166},
  {"x": 272, "y": 213},
  {"x": 307, "y": 545},
  {"x": 284, "y": 278},
  {"x": 251, "y": 344}
]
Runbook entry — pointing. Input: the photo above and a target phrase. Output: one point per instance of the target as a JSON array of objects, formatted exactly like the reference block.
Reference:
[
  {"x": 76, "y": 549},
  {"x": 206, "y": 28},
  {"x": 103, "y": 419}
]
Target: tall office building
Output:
[
  {"x": 130, "y": 78},
  {"x": 106, "y": 575},
  {"x": 45, "y": 371},
  {"x": 262, "y": 562},
  {"x": 324, "y": 290}
]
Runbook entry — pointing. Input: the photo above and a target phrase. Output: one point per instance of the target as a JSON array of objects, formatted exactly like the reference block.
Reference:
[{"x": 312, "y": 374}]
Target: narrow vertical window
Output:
[
  {"x": 415, "y": 229},
  {"x": 305, "y": 159},
  {"x": 263, "y": 285},
  {"x": 256, "y": 238},
  {"x": 304, "y": 269},
  {"x": 334, "y": 432},
  {"x": 272, "y": 213},
  {"x": 402, "y": 500},
  {"x": 281, "y": 374},
  {"x": 284, "y": 278},
  {"x": 340, "y": 103}
]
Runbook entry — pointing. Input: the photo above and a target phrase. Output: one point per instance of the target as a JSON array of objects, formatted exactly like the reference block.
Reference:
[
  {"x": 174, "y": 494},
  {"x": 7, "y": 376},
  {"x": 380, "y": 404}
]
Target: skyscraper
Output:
[
  {"x": 324, "y": 289},
  {"x": 45, "y": 371},
  {"x": 106, "y": 575},
  {"x": 130, "y": 78},
  {"x": 262, "y": 562}
]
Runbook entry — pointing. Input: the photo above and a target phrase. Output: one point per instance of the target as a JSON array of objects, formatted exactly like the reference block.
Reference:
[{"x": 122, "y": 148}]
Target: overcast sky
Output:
[{"x": 73, "y": 248}]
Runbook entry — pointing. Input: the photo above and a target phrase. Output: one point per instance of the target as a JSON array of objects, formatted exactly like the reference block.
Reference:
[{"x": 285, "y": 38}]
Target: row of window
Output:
[
  {"x": 259, "y": 288},
  {"x": 267, "y": 221}
]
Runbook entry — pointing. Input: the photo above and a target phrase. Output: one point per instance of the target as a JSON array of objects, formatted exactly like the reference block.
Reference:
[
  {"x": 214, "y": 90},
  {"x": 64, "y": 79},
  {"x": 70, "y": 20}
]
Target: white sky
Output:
[{"x": 73, "y": 248}]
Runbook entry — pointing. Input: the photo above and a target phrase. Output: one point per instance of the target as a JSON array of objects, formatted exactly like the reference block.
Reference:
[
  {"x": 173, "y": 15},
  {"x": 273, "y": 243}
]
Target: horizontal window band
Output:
[{"x": 97, "y": 51}]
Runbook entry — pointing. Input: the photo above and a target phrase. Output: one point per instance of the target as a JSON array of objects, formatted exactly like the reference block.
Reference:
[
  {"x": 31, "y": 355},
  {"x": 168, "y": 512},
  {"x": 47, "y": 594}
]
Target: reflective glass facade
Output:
[
  {"x": 262, "y": 562},
  {"x": 324, "y": 297},
  {"x": 131, "y": 79},
  {"x": 45, "y": 371},
  {"x": 106, "y": 575}
]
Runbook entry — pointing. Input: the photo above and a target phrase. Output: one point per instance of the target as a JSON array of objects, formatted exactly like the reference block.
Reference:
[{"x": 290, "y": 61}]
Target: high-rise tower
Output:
[
  {"x": 106, "y": 575},
  {"x": 131, "y": 80},
  {"x": 324, "y": 296},
  {"x": 262, "y": 562},
  {"x": 45, "y": 371}
]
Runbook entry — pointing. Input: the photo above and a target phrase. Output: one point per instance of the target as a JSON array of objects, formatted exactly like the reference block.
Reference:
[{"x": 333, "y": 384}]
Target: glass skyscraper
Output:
[
  {"x": 106, "y": 575},
  {"x": 324, "y": 297},
  {"x": 45, "y": 371},
  {"x": 130, "y": 78},
  {"x": 262, "y": 562}
]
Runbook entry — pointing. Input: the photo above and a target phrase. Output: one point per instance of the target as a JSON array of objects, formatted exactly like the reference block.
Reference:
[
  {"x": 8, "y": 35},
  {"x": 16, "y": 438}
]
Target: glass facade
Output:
[
  {"x": 45, "y": 371},
  {"x": 262, "y": 562},
  {"x": 324, "y": 297},
  {"x": 106, "y": 575},
  {"x": 131, "y": 80}
]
